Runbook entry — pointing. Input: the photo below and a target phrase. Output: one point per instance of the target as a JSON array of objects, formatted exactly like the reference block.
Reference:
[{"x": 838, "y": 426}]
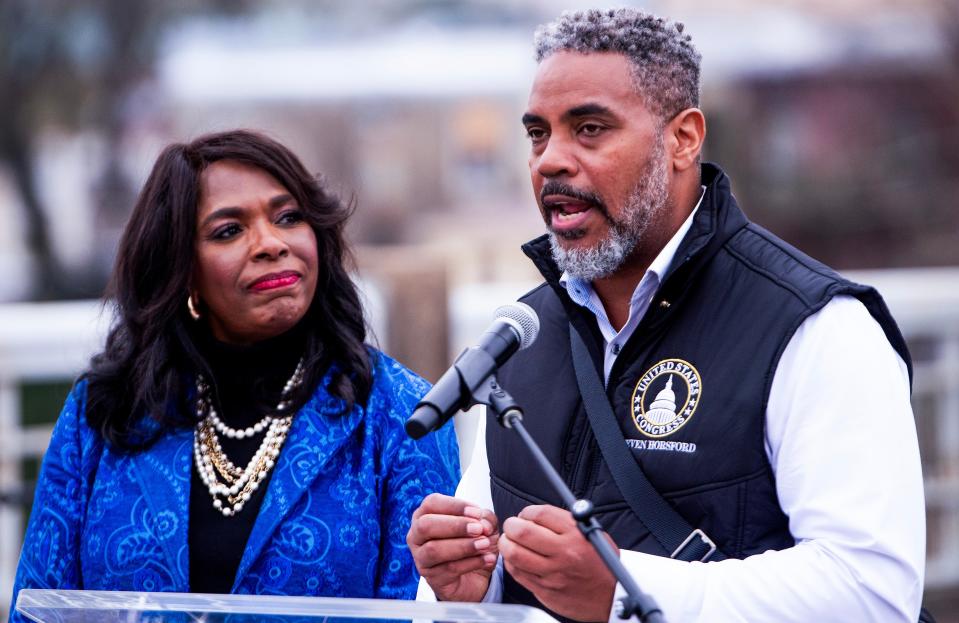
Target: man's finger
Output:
[
  {"x": 431, "y": 526},
  {"x": 485, "y": 516},
  {"x": 533, "y": 536},
  {"x": 439, "y": 504},
  {"x": 537, "y": 584},
  {"x": 528, "y": 568},
  {"x": 559, "y": 520},
  {"x": 519, "y": 557},
  {"x": 442, "y": 551},
  {"x": 450, "y": 571}
]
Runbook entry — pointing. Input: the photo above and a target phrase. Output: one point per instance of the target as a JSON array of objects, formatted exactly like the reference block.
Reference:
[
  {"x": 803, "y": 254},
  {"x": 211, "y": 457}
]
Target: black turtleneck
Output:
[{"x": 246, "y": 385}]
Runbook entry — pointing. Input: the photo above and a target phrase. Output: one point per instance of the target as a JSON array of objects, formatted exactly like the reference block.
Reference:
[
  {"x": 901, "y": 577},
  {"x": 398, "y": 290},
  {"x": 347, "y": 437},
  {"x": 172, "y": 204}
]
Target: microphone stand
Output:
[{"x": 510, "y": 415}]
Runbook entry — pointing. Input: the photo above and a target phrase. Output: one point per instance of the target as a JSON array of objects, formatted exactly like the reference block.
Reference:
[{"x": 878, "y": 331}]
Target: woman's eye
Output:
[
  {"x": 226, "y": 232},
  {"x": 290, "y": 217}
]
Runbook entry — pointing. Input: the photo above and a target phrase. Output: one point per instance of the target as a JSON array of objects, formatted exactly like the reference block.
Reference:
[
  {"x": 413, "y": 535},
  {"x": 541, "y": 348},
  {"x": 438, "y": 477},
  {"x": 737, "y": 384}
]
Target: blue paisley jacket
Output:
[{"x": 333, "y": 521}]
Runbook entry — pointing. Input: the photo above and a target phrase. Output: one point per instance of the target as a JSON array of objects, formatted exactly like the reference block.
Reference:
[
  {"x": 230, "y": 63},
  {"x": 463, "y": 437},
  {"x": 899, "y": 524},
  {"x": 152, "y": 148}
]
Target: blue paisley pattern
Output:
[{"x": 333, "y": 521}]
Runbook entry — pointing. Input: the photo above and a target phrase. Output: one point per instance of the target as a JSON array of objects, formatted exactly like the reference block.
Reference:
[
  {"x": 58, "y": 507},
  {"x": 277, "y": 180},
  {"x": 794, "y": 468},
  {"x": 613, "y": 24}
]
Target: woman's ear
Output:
[{"x": 687, "y": 131}]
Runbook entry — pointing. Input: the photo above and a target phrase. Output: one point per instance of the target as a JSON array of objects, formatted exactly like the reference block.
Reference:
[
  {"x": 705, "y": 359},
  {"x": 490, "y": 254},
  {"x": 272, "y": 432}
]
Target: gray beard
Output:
[
  {"x": 594, "y": 262},
  {"x": 645, "y": 206}
]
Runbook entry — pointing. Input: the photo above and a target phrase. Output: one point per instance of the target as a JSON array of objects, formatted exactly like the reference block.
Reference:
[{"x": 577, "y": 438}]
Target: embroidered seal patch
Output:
[{"x": 666, "y": 397}]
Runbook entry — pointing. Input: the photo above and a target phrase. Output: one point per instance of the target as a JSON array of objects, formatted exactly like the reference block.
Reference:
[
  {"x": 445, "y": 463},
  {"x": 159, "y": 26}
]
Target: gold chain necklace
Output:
[{"x": 229, "y": 486}]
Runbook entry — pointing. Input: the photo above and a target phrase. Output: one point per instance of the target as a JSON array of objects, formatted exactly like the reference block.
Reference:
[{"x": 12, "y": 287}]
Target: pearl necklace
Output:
[{"x": 229, "y": 486}]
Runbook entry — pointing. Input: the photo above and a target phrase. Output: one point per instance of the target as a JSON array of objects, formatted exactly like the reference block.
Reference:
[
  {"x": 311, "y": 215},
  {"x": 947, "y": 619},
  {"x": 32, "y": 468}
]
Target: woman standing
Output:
[{"x": 236, "y": 434}]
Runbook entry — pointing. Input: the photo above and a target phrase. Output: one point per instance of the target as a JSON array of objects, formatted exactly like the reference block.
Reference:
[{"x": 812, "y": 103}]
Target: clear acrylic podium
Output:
[{"x": 59, "y": 606}]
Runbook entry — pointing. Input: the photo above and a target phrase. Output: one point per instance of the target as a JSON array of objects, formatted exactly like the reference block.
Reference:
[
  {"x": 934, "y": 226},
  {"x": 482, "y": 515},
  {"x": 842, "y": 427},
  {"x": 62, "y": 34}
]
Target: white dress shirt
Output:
[{"x": 841, "y": 440}]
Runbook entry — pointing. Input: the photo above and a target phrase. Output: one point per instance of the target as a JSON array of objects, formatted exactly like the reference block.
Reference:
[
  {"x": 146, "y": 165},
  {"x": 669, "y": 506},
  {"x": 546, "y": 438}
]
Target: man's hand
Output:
[
  {"x": 454, "y": 546},
  {"x": 545, "y": 551}
]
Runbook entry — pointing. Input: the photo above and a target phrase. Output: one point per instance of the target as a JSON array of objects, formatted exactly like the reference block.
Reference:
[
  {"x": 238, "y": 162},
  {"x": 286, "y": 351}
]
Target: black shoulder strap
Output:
[{"x": 677, "y": 537}]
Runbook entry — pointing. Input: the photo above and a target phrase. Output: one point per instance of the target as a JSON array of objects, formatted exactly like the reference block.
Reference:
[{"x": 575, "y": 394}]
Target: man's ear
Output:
[{"x": 684, "y": 137}]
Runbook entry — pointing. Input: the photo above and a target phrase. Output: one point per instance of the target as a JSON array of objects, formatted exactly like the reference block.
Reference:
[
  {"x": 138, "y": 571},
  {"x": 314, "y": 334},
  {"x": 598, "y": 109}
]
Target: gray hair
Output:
[{"x": 665, "y": 63}]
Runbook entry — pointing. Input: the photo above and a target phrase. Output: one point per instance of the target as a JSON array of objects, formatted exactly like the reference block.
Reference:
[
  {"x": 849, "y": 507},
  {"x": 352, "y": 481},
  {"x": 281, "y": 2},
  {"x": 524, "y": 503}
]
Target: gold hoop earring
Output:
[{"x": 191, "y": 307}]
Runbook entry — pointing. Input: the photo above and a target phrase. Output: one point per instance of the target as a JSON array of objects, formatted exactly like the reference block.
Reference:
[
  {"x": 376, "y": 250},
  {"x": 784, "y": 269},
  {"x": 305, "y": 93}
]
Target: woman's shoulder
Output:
[
  {"x": 396, "y": 389},
  {"x": 73, "y": 413},
  {"x": 390, "y": 376},
  {"x": 392, "y": 396},
  {"x": 71, "y": 428}
]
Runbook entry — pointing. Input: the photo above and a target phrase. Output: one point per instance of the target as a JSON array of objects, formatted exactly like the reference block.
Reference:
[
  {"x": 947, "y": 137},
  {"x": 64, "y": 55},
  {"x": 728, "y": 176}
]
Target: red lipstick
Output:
[{"x": 275, "y": 280}]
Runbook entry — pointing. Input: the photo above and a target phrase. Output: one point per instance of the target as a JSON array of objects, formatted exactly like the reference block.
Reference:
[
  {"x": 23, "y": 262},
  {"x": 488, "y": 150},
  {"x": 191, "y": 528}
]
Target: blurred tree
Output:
[{"x": 72, "y": 65}]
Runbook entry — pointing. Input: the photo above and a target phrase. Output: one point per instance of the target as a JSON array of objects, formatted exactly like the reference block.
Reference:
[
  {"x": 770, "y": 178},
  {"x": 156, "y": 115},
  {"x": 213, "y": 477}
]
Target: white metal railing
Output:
[
  {"x": 53, "y": 341},
  {"x": 925, "y": 303},
  {"x": 38, "y": 342}
]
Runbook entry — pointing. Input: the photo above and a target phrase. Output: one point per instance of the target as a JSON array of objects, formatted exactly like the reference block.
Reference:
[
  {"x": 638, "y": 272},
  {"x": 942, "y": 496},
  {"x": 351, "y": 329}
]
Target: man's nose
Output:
[{"x": 557, "y": 159}]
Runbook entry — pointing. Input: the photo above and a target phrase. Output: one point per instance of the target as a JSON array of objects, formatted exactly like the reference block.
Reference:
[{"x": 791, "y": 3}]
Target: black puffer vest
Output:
[{"x": 689, "y": 387}]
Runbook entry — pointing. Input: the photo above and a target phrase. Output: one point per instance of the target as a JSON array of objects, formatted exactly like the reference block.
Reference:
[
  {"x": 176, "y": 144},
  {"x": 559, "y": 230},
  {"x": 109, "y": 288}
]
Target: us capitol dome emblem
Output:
[{"x": 666, "y": 397}]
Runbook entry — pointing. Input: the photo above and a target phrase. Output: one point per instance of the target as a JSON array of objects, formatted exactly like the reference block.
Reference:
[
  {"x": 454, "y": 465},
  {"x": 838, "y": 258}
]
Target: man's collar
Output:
[
  {"x": 664, "y": 258},
  {"x": 659, "y": 265}
]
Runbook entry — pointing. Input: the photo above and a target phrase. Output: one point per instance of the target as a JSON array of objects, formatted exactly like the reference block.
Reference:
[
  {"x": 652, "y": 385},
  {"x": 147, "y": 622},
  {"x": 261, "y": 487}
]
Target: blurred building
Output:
[{"x": 836, "y": 121}]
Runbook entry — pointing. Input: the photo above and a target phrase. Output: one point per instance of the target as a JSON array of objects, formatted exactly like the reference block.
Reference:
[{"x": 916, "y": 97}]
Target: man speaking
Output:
[{"x": 760, "y": 399}]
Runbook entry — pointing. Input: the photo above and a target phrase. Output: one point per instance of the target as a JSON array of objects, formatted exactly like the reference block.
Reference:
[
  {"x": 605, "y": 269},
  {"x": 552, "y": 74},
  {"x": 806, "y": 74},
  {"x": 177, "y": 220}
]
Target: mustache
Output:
[{"x": 554, "y": 187}]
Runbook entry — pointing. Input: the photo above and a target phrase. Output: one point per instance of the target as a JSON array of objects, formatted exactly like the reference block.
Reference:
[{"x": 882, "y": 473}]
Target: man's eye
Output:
[
  {"x": 535, "y": 134},
  {"x": 590, "y": 129}
]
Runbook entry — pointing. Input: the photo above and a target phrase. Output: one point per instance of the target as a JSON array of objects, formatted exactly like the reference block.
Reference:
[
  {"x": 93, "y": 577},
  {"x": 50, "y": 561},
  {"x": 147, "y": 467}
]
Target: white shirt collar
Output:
[
  {"x": 657, "y": 268},
  {"x": 583, "y": 294}
]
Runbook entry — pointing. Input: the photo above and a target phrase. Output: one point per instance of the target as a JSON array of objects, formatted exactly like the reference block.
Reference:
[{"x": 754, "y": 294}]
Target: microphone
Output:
[{"x": 514, "y": 328}]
